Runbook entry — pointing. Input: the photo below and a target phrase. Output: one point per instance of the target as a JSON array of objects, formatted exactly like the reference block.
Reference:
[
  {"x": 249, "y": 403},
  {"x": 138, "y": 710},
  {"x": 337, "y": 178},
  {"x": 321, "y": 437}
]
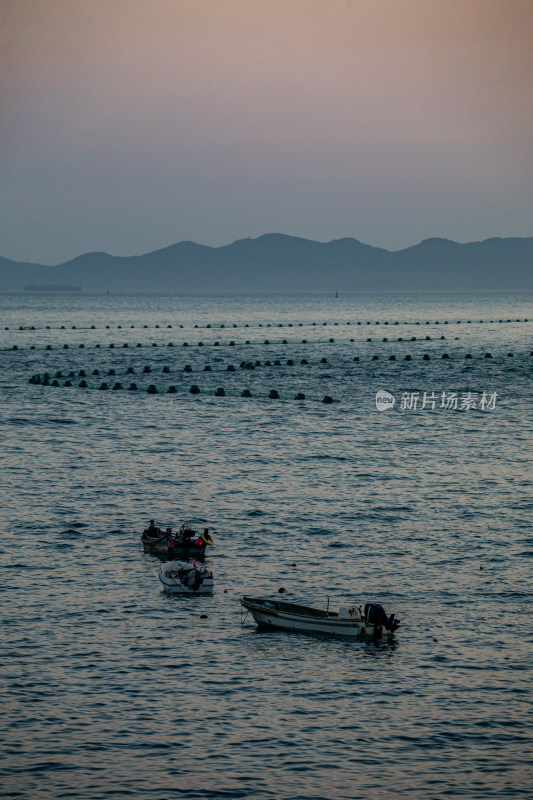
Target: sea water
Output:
[{"x": 112, "y": 689}]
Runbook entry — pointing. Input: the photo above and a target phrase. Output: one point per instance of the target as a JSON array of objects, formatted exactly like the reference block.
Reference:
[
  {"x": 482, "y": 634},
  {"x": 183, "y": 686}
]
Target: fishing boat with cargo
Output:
[
  {"x": 187, "y": 543},
  {"x": 184, "y": 577}
]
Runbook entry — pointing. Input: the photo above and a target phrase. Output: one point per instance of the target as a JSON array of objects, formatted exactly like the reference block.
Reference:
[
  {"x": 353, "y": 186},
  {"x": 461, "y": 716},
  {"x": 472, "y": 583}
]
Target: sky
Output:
[{"x": 129, "y": 125}]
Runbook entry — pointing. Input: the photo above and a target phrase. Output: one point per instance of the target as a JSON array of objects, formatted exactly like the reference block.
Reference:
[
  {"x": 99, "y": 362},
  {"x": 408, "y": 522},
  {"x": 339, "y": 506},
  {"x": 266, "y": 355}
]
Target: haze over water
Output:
[{"x": 112, "y": 689}]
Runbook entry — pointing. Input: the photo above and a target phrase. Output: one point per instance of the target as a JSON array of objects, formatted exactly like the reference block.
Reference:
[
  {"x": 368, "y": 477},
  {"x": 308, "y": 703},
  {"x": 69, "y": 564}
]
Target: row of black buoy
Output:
[
  {"x": 232, "y": 343},
  {"x": 246, "y": 365},
  {"x": 152, "y": 389},
  {"x": 266, "y": 325}
]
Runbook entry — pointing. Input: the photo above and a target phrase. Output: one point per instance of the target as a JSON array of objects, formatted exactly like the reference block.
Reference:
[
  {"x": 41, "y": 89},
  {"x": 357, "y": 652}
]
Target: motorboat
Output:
[
  {"x": 185, "y": 577},
  {"x": 350, "y": 621},
  {"x": 187, "y": 543}
]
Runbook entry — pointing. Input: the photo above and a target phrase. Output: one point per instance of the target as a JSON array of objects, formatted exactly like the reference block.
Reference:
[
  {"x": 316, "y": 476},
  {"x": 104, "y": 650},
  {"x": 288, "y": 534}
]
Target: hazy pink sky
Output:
[{"x": 128, "y": 125}]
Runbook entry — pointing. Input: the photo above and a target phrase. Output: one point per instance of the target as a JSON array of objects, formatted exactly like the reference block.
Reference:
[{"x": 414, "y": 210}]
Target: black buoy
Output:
[
  {"x": 82, "y": 384},
  {"x": 327, "y": 399},
  {"x": 331, "y": 341},
  {"x": 445, "y": 355},
  {"x": 147, "y": 369},
  {"x": 165, "y": 370},
  {"x": 138, "y": 344},
  {"x": 194, "y": 389},
  {"x": 273, "y": 394},
  {"x": 232, "y": 343},
  {"x": 96, "y": 372},
  {"x": 220, "y": 392},
  {"x": 111, "y": 346},
  {"x": 154, "y": 344},
  {"x": 81, "y": 346},
  {"x": 170, "y": 344},
  {"x": 48, "y": 347},
  {"x": 152, "y": 389},
  {"x": 299, "y": 396},
  {"x": 425, "y": 357},
  {"x": 132, "y": 387},
  {"x": 407, "y": 358},
  {"x": 125, "y": 345},
  {"x": 111, "y": 371},
  {"x": 65, "y": 347},
  {"x": 392, "y": 358},
  {"x": 230, "y": 368},
  {"x": 510, "y": 355},
  {"x": 356, "y": 358},
  {"x": 117, "y": 386},
  {"x": 103, "y": 386},
  {"x": 207, "y": 368},
  {"x": 246, "y": 393},
  {"x": 267, "y": 364},
  {"x": 488, "y": 355},
  {"x": 290, "y": 362},
  {"x": 277, "y": 363},
  {"x": 82, "y": 373},
  {"x": 267, "y": 341},
  {"x": 187, "y": 368},
  {"x": 375, "y": 358},
  {"x": 171, "y": 390},
  {"x": 98, "y": 346},
  {"x": 200, "y": 344},
  {"x": 323, "y": 360},
  {"x": 468, "y": 355},
  {"x": 384, "y": 339}
]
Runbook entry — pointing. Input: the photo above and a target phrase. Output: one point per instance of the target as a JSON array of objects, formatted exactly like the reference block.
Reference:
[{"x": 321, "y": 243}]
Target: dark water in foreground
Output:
[{"x": 111, "y": 689}]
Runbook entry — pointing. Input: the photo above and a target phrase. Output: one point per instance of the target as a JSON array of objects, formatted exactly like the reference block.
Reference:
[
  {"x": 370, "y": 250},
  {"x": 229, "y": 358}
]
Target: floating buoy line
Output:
[
  {"x": 194, "y": 389},
  {"x": 210, "y": 326},
  {"x": 217, "y": 343},
  {"x": 148, "y": 369}
]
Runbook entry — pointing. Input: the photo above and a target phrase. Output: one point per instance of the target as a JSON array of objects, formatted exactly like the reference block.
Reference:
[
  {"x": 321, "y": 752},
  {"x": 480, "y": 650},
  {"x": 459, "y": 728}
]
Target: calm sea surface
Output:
[{"x": 111, "y": 689}]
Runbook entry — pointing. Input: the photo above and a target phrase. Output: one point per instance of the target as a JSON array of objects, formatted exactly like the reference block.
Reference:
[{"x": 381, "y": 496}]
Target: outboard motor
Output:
[{"x": 375, "y": 615}]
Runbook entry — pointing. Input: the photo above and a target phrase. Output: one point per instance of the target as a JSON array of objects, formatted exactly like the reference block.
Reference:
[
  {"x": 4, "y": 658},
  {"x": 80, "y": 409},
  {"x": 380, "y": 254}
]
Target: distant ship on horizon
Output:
[{"x": 51, "y": 287}]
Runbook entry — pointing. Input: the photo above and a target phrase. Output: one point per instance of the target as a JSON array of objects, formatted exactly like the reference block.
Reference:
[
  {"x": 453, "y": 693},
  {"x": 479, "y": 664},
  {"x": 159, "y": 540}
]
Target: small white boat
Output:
[
  {"x": 348, "y": 621},
  {"x": 184, "y": 577}
]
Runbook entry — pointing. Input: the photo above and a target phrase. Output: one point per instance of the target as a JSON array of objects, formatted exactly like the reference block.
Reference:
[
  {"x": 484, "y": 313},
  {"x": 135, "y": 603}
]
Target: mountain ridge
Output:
[{"x": 280, "y": 262}]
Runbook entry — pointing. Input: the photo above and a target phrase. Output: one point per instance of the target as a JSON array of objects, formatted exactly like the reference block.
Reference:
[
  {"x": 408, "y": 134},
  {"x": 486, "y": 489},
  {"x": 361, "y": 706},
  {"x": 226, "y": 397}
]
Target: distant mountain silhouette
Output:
[{"x": 276, "y": 262}]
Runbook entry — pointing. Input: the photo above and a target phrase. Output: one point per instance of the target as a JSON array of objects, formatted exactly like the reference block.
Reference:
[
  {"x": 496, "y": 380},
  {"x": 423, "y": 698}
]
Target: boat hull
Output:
[
  {"x": 174, "y": 586},
  {"x": 275, "y": 615},
  {"x": 159, "y": 547}
]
